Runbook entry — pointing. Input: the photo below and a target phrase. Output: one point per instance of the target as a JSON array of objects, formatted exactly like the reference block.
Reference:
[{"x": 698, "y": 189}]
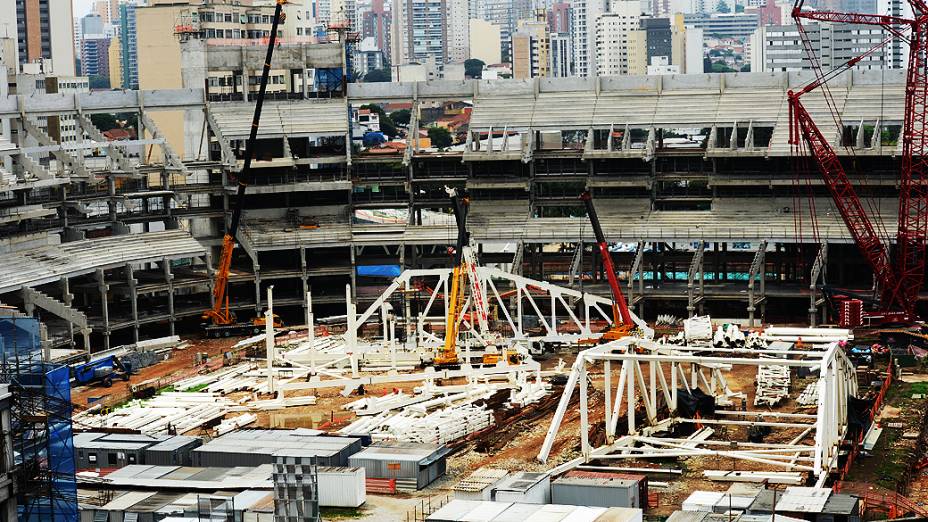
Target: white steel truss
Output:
[{"x": 654, "y": 374}]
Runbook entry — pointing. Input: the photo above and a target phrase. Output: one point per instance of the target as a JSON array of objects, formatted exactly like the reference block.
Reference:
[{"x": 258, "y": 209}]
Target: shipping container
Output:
[
  {"x": 341, "y": 487},
  {"x": 595, "y": 491}
]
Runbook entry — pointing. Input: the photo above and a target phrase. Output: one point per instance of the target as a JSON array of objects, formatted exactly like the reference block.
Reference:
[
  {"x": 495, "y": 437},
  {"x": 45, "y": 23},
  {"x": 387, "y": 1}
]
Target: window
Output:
[
  {"x": 228, "y": 17},
  {"x": 40, "y": 84},
  {"x": 111, "y": 459},
  {"x": 92, "y": 458}
]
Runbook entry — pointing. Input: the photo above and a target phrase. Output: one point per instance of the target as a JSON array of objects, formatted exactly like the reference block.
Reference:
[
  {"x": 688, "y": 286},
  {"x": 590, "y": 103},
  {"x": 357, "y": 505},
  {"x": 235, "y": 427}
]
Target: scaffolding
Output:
[{"x": 40, "y": 419}]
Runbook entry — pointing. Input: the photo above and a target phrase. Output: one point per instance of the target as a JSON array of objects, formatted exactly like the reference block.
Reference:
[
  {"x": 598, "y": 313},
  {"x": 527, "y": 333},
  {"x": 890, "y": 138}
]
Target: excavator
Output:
[
  {"x": 219, "y": 321},
  {"x": 622, "y": 324},
  {"x": 465, "y": 267}
]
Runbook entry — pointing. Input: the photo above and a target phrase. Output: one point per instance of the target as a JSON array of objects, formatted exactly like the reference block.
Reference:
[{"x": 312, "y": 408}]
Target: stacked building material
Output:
[
  {"x": 772, "y": 385},
  {"x": 809, "y": 396},
  {"x": 173, "y": 411}
]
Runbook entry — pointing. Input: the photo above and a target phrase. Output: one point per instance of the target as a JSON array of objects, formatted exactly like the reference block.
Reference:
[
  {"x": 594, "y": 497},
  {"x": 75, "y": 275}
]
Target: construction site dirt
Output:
[{"x": 512, "y": 443}]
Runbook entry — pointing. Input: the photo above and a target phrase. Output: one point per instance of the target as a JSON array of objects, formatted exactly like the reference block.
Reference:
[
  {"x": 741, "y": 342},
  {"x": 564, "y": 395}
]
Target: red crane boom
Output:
[
  {"x": 899, "y": 282},
  {"x": 622, "y": 322}
]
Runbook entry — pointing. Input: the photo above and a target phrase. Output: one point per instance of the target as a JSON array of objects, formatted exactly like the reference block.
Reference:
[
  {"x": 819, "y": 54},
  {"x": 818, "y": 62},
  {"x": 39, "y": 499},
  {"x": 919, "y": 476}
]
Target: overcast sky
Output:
[{"x": 81, "y": 7}]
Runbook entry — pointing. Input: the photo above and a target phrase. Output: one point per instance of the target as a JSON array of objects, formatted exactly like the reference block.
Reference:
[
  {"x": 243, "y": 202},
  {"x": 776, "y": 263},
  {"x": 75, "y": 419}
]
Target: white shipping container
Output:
[{"x": 342, "y": 487}]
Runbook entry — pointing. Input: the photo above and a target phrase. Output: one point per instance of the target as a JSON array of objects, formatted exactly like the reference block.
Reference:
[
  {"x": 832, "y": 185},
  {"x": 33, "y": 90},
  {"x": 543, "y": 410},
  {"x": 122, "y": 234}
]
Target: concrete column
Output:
[
  {"x": 169, "y": 279},
  {"x": 257, "y": 269},
  {"x": 354, "y": 275},
  {"x": 104, "y": 290},
  {"x": 111, "y": 200},
  {"x": 304, "y": 277},
  {"x": 134, "y": 300},
  {"x": 67, "y": 297}
]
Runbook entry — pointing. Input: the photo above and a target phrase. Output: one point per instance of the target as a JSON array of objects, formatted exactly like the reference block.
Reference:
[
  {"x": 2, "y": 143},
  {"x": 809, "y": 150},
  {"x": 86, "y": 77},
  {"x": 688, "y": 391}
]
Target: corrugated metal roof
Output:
[
  {"x": 400, "y": 451},
  {"x": 487, "y": 511},
  {"x": 602, "y": 482}
]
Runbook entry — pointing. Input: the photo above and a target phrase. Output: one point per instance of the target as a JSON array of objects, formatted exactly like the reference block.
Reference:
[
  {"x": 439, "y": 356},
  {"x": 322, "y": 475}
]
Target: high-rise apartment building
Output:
[
  {"x": 559, "y": 17},
  {"x": 375, "y": 23},
  {"x": 44, "y": 29},
  {"x": 429, "y": 31},
  {"x": 530, "y": 48},
  {"x": 898, "y": 48},
  {"x": 583, "y": 29},
  {"x": 114, "y": 60},
  {"x": 505, "y": 14},
  {"x": 95, "y": 56},
  {"x": 612, "y": 36},
  {"x": 560, "y": 55},
  {"x": 128, "y": 47},
  {"x": 485, "y": 42}
]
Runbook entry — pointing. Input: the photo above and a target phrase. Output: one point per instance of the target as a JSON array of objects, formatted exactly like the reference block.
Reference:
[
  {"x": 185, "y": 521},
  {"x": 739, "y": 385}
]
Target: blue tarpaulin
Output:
[{"x": 379, "y": 270}]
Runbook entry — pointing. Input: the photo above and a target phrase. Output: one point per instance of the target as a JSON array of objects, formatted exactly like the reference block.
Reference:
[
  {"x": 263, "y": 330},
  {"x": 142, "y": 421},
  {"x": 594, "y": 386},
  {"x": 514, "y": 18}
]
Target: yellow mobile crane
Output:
[
  {"x": 465, "y": 266},
  {"x": 221, "y": 321},
  {"x": 448, "y": 356}
]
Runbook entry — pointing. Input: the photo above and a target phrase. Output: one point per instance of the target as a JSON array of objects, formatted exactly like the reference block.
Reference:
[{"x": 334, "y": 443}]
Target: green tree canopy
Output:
[
  {"x": 440, "y": 137},
  {"x": 473, "y": 68},
  {"x": 400, "y": 117},
  {"x": 377, "y": 75},
  {"x": 722, "y": 7},
  {"x": 104, "y": 121}
]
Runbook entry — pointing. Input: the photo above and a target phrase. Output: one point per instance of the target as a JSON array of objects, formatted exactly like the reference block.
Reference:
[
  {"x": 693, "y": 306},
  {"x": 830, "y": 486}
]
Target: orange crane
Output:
[
  {"x": 622, "y": 323},
  {"x": 221, "y": 321}
]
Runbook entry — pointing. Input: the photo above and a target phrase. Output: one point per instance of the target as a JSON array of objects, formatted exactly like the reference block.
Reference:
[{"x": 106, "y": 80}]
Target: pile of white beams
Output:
[
  {"x": 439, "y": 427},
  {"x": 178, "y": 411},
  {"x": 808, "y": 336},
  {"x": 809, "y": 396},
  {"x": 772, "y": 385}
]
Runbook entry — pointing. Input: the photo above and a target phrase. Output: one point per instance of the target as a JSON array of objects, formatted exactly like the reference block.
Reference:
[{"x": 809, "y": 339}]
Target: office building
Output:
[
  {"x": 45, "y": 30},
  {"x": 114, "y": 60},
  {"x": 898, "y": 48},
  {"x": 419, "y": 32},
  {"x": 92, "y": 24},
  {"x": 779, "y": 47},
  {"x": 735, "y": 25}
]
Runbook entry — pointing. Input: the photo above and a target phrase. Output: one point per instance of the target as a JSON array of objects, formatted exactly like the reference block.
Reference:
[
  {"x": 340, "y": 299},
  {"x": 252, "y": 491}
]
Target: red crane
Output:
[
  {"x": 622, "y": 322},
  {"x": 899, "y": 282}
]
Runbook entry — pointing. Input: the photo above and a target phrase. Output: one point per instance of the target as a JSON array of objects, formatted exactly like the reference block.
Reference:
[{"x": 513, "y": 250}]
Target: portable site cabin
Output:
[{"x": 413, "y": 465}]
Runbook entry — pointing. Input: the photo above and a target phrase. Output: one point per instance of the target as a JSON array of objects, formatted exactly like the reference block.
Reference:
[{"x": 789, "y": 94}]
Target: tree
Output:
[
  {"x": 386, "y": 124},
  {"x": 440, "y": 137},
  {"x": 722, "y": 7},
  {"x": 720, "y": 67},
  {"x": 131, "y": 119},
  {"x": 400, "y": 117},
  {"x": 746, "y": 67},
  {"x": 739, "y": 8},
  {"x": 473, "y": 68},
  {"x": 104, "y": 121},
  {"x": 377, "y": 75}
]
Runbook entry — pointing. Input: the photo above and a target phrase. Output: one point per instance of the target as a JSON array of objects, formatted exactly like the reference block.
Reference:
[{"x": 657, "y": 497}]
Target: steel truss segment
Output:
[{"x": 647, "y": 439}]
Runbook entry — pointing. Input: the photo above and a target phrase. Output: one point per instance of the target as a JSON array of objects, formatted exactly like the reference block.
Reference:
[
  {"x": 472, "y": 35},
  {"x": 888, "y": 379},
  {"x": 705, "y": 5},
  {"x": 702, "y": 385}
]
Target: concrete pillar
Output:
[
  {"x": 169, "y": 279},
  {"x": 111, "y": 200},
  {"x": 134, "y": 300},
  {"x": 304, "y": 277},
  {"x": 354, "y": 275},
  {"x": 67, "y": 297},
  {"x": 105, "y": 306}
]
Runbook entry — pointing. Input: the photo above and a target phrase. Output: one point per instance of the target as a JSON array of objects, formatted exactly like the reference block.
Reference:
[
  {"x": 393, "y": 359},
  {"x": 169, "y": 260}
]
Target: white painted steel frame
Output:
[{"x": 837, "y": 380}]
